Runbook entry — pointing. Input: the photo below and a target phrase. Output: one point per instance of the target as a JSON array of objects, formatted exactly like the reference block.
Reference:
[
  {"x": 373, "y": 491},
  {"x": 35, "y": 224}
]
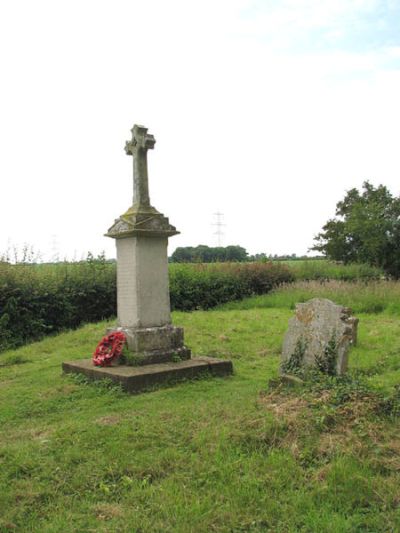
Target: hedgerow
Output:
[
  {"x": 37, "y": 300},
  {"x": 204, "y": 286}
]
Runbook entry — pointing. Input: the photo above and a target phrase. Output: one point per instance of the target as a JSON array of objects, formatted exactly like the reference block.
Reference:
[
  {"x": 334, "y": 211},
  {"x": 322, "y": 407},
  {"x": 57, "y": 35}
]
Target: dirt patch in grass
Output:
[
  {"x": 62, "y": 390},
  {"x": 6, "y": 382},
  {"x": 109, "y": 420},
  {"x": 13, "y": 360},
  {"x": 265, "y": 351},
  {"x": 108, "y": 511},
  {"x": 284, "y": 407},
  {"x": 27, "y": 434}
]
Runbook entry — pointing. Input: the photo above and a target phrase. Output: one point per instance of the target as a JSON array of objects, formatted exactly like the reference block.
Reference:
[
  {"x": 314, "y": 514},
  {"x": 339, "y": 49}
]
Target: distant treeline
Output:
[
  {"x": 206, "y": 254},
  {"x": 226, "y": 254}
]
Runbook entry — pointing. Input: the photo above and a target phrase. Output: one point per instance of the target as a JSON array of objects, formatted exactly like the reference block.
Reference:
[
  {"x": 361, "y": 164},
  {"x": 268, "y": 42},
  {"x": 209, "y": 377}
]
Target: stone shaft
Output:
[
  {"x": 142, "y": 282},
  {"x": 137, "y": 147},
  {"x": 141, "y": 195}
]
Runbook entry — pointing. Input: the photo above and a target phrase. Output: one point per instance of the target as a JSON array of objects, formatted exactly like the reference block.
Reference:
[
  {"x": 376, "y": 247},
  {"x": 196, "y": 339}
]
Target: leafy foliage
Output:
[
  {"x": 207, "y": 254},
  {"x": 327, "y": 363},
  {"x": 294, "y": 365},
  {"x": 37, "y": 300},
  {"x": 347, "y": 388},
  {"x": 205, "y": 286},
  {"x": 366, "y": 229}
]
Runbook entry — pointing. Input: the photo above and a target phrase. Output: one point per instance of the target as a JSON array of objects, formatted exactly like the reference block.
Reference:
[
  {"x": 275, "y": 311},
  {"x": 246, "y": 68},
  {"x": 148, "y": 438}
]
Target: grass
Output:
[
  {"x": 362, "y": 297},
  {"x": 214, "y": 455},
  {"x": 323, "y": 269}
]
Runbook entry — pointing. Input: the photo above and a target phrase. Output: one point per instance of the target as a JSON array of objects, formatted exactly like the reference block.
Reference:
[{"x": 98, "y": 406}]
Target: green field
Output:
[
  {"x": 213, "y": 455},
  {"x": 314, "y": 269}
]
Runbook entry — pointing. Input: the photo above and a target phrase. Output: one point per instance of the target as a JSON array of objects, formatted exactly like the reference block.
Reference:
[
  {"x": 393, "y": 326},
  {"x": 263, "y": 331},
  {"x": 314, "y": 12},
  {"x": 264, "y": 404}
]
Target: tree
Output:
[
  {"x": 235, "y": 253},
  {"x": 206, "y": 254},
  {"x": 366, "y": 229}
]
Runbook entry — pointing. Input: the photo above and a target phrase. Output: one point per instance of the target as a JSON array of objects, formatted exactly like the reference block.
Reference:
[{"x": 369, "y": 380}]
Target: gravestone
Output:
[
  {"x": 156, "y": 347},
  {"x": 319, "y": 335}
]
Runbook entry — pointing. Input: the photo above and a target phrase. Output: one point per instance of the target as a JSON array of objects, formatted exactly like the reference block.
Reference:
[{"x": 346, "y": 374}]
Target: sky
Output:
[{"x": 266, "y": 111}]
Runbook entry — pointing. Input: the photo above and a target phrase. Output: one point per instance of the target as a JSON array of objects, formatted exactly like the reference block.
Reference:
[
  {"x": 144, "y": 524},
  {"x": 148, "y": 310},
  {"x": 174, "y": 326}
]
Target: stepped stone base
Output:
[
  {"x": 138, "y": 378},
  {"x": 155, "y": 345}
]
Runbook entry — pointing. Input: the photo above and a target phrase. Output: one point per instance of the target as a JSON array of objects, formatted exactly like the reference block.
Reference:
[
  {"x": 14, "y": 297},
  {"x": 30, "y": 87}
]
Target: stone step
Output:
[{"x": 138, "y": 378}]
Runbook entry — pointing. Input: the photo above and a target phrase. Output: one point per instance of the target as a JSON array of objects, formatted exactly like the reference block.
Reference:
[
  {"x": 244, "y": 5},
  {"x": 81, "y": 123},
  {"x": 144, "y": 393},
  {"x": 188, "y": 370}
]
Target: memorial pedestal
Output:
[{"x": 155, "y": 347}]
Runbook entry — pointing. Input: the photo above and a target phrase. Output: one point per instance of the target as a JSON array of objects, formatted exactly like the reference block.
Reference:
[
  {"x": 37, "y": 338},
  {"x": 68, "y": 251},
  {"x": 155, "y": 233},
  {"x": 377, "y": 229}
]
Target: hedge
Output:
[
  {"x": 206, "y": 285},
  {"x": 37, "y": 300}
]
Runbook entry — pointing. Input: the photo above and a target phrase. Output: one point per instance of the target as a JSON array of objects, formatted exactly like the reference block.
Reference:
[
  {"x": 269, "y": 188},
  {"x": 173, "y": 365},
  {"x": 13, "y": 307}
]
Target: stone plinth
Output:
[
  {"x": 155, "y": 345},
  {"x": 137, "y": 379}
]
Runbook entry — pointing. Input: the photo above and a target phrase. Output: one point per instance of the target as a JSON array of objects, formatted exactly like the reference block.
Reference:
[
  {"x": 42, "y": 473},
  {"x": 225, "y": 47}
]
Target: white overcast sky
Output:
[{"x": 264, "y": 110}]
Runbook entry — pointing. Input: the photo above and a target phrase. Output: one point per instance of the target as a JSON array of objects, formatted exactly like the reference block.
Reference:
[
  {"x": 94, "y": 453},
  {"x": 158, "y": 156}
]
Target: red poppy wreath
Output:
[{"x": 109, "y": 348}]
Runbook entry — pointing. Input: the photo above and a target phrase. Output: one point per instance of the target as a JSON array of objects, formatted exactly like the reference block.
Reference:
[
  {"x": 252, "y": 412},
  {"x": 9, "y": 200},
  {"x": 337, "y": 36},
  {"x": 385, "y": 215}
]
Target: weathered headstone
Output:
[
  {"x": 319, "y": 335},
  {"x": 156, "y": 347}
]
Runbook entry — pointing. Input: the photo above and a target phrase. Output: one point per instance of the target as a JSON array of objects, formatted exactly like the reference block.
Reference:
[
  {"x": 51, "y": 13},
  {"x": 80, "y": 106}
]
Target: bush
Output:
[
  {"x": 204, "y": 286},
  {"x": 36, "y": 300}
]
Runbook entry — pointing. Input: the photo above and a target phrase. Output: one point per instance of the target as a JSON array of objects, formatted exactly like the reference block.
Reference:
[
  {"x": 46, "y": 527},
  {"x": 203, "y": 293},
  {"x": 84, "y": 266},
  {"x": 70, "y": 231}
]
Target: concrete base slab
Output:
[{"x": 138, "y": 378}]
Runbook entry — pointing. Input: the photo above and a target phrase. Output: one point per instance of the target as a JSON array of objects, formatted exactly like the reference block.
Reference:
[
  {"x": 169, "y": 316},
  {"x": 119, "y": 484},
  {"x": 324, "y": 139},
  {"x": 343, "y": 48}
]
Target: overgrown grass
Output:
[
  {"x": 326, "y": 270},
  {"x": 215, "y": 455},
  {"x": 362, "y": 297}
]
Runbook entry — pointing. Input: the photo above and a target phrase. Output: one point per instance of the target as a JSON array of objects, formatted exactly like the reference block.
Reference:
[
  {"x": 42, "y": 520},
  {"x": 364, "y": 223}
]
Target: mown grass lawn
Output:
[{"x": 214, "y": 455}]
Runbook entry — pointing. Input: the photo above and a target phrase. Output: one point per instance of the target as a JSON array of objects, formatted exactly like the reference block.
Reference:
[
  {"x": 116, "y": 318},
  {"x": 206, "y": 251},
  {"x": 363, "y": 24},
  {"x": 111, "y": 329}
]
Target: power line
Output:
[
  {"x": 55, "y": 249},
  {"x": 219, "y": 225}
]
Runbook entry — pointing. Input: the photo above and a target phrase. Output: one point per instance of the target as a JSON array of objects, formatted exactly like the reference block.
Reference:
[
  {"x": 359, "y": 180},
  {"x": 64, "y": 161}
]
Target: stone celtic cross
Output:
[
  {"x": 143, "y": 304},
  {"x": 137, "y": 147}
]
